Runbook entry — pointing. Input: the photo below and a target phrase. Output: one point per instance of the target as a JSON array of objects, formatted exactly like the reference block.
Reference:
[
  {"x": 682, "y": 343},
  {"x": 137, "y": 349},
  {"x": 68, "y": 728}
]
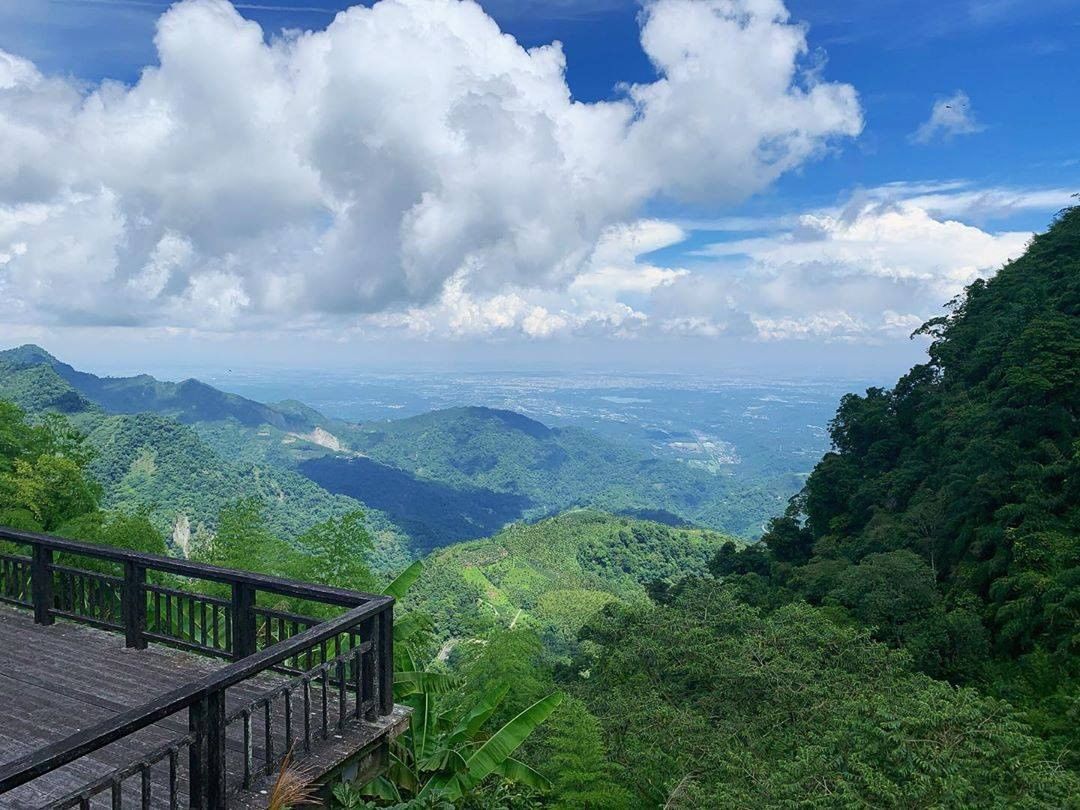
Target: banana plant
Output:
[{"x": 447, "y": 752}]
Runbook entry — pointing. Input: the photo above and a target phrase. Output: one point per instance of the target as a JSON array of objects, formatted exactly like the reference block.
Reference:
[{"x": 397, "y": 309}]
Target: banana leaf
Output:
[
  {"x": 438, "y": 683},
  {"x": 483, "y": 709},
  {"x": 517, "y": 771},
  {"x": 493, "y": 753},
  {"x": 403, "y": 581}
]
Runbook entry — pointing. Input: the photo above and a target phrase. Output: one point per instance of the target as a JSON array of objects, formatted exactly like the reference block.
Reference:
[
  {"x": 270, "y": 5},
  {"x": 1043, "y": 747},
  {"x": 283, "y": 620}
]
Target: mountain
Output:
[
  {"x": 947, "y": 518},
  {"x": 153, "y": 461},
  {"x": 188, "y": 401},
  {"x": 444, "y": 476},
  {"x": 554, "y": 575},
  {"x": 544, "y": 470}
]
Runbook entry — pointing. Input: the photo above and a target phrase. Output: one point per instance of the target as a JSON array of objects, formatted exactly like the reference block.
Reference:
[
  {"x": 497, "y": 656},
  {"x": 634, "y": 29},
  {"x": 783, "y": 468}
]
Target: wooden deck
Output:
[{"x": 59, "y": 679}]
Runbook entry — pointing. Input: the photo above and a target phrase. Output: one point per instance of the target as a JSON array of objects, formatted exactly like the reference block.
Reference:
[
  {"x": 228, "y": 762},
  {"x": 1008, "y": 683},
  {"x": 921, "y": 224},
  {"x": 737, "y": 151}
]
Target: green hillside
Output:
[
  {"x": 154, "y": 463},
  {"x": 947, "y": 518},
  {"x": 36, "y": 388},
  {"x": 554, "y": 575}
]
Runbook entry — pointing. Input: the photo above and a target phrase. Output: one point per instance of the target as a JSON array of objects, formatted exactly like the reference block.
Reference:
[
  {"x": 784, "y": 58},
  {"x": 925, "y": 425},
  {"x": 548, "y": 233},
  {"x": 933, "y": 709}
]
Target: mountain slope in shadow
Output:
[{"x": 434, "y": 514}]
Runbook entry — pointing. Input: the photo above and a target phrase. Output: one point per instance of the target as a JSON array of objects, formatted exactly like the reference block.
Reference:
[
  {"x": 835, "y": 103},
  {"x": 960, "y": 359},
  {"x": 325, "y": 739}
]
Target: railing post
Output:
[
  {"x": 215, "y": 750},
  {"x": 366, "y": 692},
  {"x": 197, "y": 756},
  {"x": 41, "y": 584},
  {"x": 134, "y": 605},
  {"x": 386, "y": 660},
  {"x": 243, "y": 620}
]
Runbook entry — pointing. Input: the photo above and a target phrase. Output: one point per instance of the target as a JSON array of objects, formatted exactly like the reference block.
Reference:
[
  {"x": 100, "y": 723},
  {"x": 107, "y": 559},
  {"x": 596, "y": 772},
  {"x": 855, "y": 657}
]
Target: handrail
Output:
[
  {"x": 340, "y": 597},
  {"x": 204, "y": 698}
]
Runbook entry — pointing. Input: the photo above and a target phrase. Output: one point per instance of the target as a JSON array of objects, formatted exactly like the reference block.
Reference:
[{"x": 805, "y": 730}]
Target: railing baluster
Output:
[
  {"x": 306, "y": 685},
  {"x": 215, "y": 610},
  {"x": 117, "y": 795},
  {"x": 227, "y": 640},
  {"x": 174, "y": 787},
  {"x": 269, "y": 736},
  {"x": 191, "y": 619},
  {"x": 145, "y": 786},
  {"x": 248, "y": 752},
  {"x": 369, "y": 630},
  {"x": 357, "y": 667},
  {"x": 325, "y": 712},
  {"x": 288, "y": 719},
  {"x": 202, "y": 622},
  {"x": 341, "y": 693}
]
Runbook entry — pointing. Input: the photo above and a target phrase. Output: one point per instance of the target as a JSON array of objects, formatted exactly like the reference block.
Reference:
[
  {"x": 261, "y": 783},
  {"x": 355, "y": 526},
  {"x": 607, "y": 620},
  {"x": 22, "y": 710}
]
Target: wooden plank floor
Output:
[{"x": 59, "y": 679}]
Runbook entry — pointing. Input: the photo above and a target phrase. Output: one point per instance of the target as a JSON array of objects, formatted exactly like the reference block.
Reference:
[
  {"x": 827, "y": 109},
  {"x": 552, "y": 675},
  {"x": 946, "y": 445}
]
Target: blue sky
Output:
[{"x": 870, "y": 227}]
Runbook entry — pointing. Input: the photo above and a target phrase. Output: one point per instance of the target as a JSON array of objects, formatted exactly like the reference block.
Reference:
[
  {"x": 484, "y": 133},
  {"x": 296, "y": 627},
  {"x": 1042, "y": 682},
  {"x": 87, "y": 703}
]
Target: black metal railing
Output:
[{"x": 338, "y": 669}]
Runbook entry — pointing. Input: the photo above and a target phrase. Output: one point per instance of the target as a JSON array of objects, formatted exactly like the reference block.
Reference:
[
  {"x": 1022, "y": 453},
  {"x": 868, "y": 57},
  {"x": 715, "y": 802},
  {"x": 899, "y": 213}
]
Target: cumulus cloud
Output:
[
  {"x": 949, "y": 117},
  {"x": 869, "y": 270},
  {"x": 410, "y": 155},
  {"x": 876, "y": 267}
]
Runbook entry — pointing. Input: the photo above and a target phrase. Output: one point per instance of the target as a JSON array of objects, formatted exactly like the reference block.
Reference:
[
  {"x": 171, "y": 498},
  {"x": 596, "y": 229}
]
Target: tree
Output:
[
  {"x": 335, "y": 552},
  {"x": 244, "y": 541},
  {"x": 576, "y": 757},
  {"x": 43, "y": 482}
]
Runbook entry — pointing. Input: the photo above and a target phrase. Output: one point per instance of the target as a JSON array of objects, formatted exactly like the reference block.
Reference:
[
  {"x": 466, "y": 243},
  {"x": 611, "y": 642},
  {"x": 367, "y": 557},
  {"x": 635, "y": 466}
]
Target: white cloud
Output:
[
  {"x": 949, "y": 117},
  {"x": 613, "y": 267},
  {"x": 871, "y": 269},
  {"x": 410, "y": 155}
]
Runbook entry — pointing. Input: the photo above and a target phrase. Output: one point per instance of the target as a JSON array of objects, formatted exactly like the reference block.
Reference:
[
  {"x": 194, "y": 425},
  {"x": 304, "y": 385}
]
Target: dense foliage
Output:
[
  {"x": 947, "y": 516},
  {"x": 710, "y": 702}
]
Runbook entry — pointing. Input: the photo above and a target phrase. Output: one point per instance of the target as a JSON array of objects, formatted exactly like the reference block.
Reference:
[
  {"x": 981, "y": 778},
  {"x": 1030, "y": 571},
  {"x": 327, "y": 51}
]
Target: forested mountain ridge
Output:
[
  {"x": 443, "y": 476},
  {"x": 187, "y": 401},
  {"x": 517, "y": 468},
  {"x": 947, "y": 516},
  {"x": 154, "y": 464}
]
